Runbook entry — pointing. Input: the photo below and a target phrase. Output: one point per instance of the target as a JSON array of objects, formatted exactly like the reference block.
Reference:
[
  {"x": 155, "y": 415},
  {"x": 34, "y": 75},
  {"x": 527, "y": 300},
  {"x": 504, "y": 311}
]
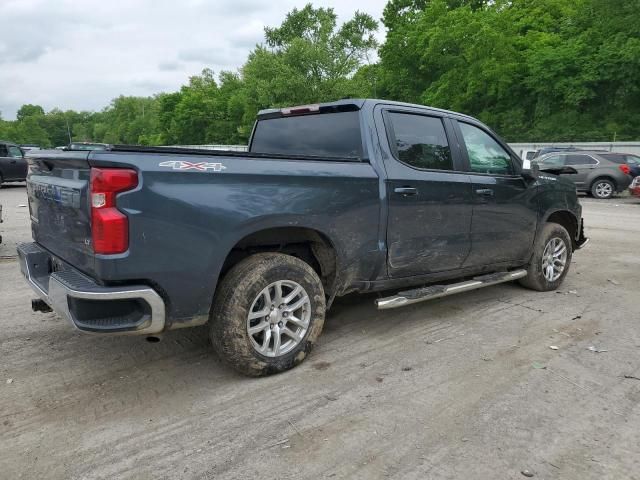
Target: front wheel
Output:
[
  {"x": 551, "y": 259},
  {"x": 267, "y": 314}
]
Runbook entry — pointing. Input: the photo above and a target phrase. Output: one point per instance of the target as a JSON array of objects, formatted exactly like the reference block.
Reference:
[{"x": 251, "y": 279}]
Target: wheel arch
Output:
[
  {"x": 603, "y": 176},
  {"x": 307, "y": 243},
  {"x": 568, "y": 220}
]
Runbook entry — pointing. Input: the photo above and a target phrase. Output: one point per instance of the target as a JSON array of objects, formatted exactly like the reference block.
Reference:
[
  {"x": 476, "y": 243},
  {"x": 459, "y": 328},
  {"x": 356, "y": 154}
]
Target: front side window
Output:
[
  {"x": 15, "y": 152},
  {"x": 421, "y": 141},
  {"x": 575, "y": 159},
  {"x": 485, "y": 154}
]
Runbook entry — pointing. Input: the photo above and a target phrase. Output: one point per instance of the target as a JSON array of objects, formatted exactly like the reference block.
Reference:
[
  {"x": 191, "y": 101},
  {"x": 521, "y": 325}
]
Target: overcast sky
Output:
[{"x": 80, "y": 54}]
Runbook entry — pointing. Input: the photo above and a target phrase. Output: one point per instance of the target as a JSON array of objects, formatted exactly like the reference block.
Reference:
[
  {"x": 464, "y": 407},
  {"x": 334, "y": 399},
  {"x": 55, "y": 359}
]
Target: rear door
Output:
[
  {"x": 583, "y": 164},
  {"x": 429, "y": 201},
  {"x": 504, "y": 203}
]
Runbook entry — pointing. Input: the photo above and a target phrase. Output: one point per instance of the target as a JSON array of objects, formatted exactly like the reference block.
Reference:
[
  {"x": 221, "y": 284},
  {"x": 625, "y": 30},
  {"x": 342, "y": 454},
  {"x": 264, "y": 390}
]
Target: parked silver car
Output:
[{"x": 595, "y": 174}]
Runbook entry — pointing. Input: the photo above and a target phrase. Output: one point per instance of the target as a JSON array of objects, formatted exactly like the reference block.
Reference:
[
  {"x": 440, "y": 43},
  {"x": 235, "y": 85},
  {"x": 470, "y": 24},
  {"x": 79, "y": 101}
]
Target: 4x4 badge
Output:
[{"x": 201, "y": 166}]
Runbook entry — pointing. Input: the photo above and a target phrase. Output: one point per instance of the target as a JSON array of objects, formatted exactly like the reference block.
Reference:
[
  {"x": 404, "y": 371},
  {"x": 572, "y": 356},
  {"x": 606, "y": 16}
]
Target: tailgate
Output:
[{"x": 58, "y": 186}]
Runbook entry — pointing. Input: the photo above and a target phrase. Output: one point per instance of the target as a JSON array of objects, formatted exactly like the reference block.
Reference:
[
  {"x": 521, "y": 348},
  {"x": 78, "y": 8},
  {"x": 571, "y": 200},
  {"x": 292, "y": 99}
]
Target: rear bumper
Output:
[{"x": 92, "y": 308}]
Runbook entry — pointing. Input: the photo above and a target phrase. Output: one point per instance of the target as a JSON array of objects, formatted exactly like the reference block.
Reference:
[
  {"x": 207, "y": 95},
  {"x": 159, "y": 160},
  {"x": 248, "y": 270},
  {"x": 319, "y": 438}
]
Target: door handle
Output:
[
  {"x": 406, "y": 191},
  {"x": 485, "y": 192}
]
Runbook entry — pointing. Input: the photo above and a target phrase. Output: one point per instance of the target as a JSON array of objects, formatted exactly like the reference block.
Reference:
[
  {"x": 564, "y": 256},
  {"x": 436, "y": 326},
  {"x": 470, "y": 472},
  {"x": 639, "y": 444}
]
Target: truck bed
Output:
[{"x": 186, "y": 216}]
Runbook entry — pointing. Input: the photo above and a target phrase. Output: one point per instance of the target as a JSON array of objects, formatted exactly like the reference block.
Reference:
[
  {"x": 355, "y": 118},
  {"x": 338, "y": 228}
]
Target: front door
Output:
[
  {"x": 16, "y": 165},
  {"x": 504, "y": 203},
  {"x": 429, "y": 201}
]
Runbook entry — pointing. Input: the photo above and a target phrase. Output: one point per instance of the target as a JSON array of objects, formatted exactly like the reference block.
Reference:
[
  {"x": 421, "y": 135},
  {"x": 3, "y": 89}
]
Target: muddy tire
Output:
[
  {"x": 265, "y": 297},
  {"x": 551, "y": 259}
]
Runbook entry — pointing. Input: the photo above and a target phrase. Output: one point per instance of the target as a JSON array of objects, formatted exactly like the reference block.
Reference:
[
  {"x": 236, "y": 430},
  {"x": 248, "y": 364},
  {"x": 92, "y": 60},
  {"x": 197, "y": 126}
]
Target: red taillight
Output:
[
  {"x": 109, "y": 226},
  {"x": 625, "y": 169},
  {"x": 300, "y": 110}
]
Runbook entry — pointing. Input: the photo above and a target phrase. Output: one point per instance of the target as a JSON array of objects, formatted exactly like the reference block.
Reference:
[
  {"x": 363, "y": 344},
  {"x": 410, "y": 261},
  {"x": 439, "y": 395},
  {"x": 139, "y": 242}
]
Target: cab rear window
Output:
[{"x": 335, "y": 135}]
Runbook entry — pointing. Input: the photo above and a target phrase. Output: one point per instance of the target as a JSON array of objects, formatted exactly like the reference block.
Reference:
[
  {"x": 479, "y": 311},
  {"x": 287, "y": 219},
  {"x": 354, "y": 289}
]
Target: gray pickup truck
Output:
[{"x": 350, "y": 196}]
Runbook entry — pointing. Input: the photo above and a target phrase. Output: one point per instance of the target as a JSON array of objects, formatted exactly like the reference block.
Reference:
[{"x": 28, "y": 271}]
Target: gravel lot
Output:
[{"x": 459, "y": 388}]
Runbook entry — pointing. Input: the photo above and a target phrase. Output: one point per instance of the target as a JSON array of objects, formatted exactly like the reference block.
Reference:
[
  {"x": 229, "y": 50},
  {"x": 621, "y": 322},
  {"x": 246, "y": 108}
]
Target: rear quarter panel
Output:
[
  {"x": 611, "y": 170},
  {"x": 183, "y": 224}
]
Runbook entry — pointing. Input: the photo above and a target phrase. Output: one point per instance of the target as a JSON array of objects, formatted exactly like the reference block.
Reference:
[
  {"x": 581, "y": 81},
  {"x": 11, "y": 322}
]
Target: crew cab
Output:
[{"x": 349, "y": 196}]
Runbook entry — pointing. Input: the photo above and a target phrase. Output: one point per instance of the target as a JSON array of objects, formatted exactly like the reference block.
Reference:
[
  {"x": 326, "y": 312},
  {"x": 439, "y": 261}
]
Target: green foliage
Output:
[
  {"x": 549, "y": 70},
  {"x": 534, "y": 70}
]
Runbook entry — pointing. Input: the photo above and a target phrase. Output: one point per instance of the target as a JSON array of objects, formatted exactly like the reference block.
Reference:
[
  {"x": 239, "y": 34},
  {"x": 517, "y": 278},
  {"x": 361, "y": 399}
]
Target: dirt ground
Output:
[{"x": 465, "y": 387}]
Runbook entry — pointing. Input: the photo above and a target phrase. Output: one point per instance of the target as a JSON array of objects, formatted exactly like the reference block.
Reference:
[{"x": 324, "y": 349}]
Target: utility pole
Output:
[{"x": 68, "y": 129}]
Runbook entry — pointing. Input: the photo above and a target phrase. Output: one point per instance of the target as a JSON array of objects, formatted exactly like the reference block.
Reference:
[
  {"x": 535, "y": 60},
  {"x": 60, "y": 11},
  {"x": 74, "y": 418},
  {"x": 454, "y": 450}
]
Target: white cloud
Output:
[{"x": 80, "y": 54}]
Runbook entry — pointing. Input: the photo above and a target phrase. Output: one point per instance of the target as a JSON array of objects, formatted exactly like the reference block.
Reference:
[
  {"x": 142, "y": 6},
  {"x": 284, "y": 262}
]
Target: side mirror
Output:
[{"x": 530, "y": 170}]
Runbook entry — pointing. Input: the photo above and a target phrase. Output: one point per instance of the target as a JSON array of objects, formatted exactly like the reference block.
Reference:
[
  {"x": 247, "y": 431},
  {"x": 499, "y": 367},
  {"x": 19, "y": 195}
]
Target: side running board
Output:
[{"x": 437, "y": 291}]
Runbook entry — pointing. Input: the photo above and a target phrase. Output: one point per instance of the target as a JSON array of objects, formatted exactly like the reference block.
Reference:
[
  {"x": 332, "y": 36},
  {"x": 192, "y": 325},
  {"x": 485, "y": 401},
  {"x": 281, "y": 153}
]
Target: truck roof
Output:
[{"x": 349, "y": 104}]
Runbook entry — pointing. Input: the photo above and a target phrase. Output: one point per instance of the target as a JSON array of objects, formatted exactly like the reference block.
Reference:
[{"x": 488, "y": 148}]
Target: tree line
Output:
[{"x": 534, "y": 70}]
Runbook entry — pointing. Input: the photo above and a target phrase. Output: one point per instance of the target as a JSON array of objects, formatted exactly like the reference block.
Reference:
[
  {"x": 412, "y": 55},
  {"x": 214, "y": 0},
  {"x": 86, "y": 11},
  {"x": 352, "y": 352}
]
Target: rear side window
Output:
[
  {"x": 553, "y": 161},
  {"x": 573, "y": 159},
  {"x": 485, "y": 154},
  {"x": 326, "y": 135},
  {"x": 619, "y": 159},
  {"x": 3, "y": 151},
  {"x": 420, "y": 141}
]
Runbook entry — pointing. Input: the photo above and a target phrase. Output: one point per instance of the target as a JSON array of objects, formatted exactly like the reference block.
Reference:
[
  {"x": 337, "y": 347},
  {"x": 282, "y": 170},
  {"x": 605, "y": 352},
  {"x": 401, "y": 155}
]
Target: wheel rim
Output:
[
  {"x": 604, "y": 189},
  {"x": 279, "y": 318},
  {"x": 554, "y": 259}
]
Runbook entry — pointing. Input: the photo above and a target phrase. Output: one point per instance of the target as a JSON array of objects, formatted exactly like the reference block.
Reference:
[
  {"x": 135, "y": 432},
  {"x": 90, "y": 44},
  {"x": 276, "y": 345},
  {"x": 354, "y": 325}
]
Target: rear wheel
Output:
[
  {"x": 267, "y": 314},
  {"x": 551, "y": 259},
  {"x": 603, "y": 188}
]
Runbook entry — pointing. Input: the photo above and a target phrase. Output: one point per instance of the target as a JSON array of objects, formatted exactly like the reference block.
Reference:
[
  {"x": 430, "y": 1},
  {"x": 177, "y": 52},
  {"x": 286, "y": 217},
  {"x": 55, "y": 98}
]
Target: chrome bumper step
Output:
[{"x": 437, "y": 291}]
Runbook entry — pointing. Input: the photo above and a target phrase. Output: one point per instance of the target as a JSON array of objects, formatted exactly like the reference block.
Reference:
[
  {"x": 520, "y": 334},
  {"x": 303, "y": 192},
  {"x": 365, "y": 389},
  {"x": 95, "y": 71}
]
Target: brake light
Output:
[
  {"x": 109, "y": 226},
  {"x": 625, "y": 169},
  {"x": 301, "y": 110}
]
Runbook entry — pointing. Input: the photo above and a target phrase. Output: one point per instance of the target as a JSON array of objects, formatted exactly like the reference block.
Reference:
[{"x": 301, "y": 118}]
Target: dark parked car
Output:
[
  {"x": 349, "y": 196},
  {"x": 594, "y": 173},
  {"x": 13, "y": 166}
]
